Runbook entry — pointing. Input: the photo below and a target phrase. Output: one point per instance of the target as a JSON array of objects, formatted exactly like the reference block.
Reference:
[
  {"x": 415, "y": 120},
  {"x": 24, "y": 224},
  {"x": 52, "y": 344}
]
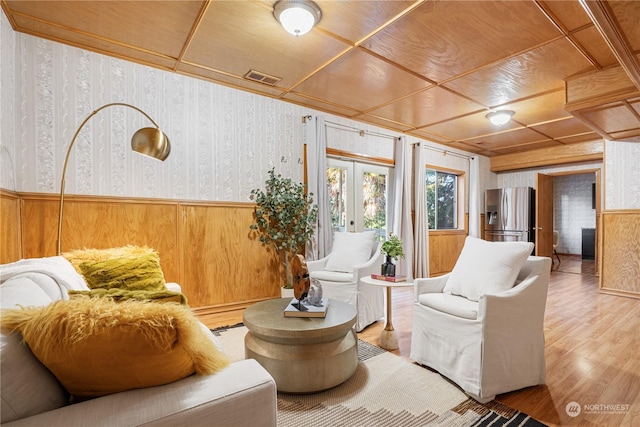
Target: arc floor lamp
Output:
[{"x": 151, "y": 142}]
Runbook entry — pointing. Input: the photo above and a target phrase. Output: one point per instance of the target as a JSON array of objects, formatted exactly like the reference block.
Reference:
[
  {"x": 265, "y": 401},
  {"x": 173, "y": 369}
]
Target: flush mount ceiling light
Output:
[
  {"x": 298, "y": 17},
  {"x": 500, "y": 117}
]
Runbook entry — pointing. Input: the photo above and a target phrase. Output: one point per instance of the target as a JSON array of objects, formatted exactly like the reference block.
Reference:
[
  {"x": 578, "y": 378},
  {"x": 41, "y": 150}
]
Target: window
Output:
[{"x": 442, "y": 199}]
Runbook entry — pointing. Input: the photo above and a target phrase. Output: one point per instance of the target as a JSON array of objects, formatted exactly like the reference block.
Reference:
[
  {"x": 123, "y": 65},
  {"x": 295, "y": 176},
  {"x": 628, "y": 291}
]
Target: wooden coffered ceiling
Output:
[{"x": 569, "y": 69}]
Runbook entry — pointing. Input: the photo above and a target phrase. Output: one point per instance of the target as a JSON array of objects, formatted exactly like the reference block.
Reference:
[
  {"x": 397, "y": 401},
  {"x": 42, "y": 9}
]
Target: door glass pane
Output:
[
  {"x": 337, "y": 185},
  {"x": 374, "y": 203}
]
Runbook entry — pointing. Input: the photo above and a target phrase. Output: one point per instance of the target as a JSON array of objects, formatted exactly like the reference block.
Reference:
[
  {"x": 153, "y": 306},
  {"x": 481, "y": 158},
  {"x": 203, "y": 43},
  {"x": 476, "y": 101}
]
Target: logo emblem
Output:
[{"x": 573, "y": 409}]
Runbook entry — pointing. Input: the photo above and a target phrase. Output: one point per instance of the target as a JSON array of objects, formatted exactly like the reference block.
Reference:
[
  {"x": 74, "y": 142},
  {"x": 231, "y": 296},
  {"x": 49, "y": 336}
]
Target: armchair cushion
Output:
[
  {"x": 333, "y": 276},
  {"x": 487, "y": 267},
  {"x": 350, "y": 250},
  {"x": 450, "y": 304},
  {"x": 96, "y": 346}
]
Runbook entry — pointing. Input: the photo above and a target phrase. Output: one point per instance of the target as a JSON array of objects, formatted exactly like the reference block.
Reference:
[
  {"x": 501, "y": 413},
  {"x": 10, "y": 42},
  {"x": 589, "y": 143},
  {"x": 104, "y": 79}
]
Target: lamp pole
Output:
[{"x": 148, "y": 141}]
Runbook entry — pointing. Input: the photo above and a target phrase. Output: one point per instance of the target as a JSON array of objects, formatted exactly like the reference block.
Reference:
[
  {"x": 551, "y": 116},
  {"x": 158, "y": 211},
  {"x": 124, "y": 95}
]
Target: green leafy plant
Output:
[
  {"x": 393, "y": 247},
  {"x": 283, "y": 218}
]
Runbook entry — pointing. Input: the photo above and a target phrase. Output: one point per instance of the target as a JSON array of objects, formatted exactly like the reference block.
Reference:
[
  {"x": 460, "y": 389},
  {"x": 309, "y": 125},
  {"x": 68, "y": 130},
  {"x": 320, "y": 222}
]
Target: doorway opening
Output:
[{"x": 575, "y": 219}]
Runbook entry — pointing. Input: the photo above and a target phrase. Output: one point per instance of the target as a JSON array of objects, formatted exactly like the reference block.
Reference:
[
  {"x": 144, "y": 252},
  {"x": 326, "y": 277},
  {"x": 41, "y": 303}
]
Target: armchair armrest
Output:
[
  {"x": 318, "y": 264},
  {"x": 368, "y": 268},
  {"x": 525, "y": 301},
  {"x": 429, "y": 285},
  {"x": 243, "y": 394}
]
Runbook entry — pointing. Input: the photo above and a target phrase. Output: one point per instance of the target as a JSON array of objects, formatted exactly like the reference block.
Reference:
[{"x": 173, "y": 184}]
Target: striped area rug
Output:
[{"x": 386, "y": 390}]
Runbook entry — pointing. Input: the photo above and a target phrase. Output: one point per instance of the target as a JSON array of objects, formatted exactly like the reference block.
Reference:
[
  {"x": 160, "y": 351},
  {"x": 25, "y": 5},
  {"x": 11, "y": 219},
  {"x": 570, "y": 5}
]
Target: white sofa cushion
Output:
[
  {"x": 450, "y": 304},
  {"x": 350, "y": 250},
  {"x": 486, "y": 267},
  {"x": 332, "y": 276}
]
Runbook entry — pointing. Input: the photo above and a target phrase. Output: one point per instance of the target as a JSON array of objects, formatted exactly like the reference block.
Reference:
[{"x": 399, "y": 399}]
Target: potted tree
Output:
[
  {"x": 283, "y": 219},
  {"x": 392, "y": 248}
]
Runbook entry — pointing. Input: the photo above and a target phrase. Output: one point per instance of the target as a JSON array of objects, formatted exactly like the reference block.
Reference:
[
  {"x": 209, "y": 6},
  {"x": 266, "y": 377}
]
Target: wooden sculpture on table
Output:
[{"x": 301, "y": 281}]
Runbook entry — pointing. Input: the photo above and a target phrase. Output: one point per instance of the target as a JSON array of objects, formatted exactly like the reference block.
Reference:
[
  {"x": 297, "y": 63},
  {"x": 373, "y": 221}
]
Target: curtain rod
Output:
[
  {"x": 361, "y": 132},
  {"x": 445, "y": 152}
]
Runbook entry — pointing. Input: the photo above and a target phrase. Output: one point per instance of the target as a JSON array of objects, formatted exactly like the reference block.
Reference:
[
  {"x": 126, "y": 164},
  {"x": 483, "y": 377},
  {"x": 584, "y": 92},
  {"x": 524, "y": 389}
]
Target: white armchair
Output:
[
  {"x": 481, "y": 325},
  {"x": 353, "y": 256}
]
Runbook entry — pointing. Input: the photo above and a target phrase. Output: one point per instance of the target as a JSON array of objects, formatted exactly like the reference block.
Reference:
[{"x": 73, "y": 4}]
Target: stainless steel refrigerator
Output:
[{"x": 510, "y": 214}]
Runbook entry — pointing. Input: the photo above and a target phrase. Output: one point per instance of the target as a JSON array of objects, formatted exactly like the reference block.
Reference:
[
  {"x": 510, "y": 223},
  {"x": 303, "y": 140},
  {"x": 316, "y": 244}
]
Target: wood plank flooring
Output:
[{"x": 592, "y": 350}]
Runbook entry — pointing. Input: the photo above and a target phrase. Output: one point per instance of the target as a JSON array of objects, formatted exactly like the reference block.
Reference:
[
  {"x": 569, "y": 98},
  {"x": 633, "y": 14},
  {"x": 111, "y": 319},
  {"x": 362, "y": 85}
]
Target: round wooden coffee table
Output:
[{"x": 303, "y": 355}]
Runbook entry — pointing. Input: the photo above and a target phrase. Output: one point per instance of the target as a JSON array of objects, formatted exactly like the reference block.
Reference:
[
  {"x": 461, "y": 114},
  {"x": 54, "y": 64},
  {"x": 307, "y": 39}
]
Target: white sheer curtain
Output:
[
  {"x": 474, "y": 196},
  {"x": 421, "y": 227},
  {"x": 400, "y": 214},
  {"x": 319, "y": 245}
]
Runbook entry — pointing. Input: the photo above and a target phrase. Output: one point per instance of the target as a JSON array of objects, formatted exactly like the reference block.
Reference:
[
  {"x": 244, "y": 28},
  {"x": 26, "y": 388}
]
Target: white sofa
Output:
[
  {"x": 243, "y": 394},
  {"x": 493, "y": 341}
]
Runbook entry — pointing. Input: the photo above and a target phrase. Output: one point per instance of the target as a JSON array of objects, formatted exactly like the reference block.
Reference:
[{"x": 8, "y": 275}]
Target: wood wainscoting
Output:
[
  {"x": 10, "y": 248},
  {"x": 206, "y": 247},
  {"x": 620, "y": 249}
]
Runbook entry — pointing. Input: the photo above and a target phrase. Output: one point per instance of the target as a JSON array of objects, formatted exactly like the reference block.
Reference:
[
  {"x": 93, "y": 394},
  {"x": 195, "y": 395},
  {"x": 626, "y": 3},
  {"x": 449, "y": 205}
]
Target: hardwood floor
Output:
[{"x": 592, "y": 350}]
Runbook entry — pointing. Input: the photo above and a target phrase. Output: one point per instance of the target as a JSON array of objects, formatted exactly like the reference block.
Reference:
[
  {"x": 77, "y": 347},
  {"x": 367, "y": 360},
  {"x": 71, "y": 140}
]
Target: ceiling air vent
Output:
[{"x": 260, "y": 77}]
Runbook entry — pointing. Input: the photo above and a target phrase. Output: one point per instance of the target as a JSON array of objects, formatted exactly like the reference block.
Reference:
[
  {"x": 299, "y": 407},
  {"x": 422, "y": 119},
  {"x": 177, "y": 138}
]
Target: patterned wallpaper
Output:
[
  {"x": 223, "y": 140},
  {"x": 622, "y": 187},
  {"x": 7, "y": 110}
]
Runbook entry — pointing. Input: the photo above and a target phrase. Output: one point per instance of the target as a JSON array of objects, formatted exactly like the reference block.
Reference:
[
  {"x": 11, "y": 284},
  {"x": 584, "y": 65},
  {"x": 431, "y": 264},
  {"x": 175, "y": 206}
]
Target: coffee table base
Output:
[{"x": 306, "y": 368}]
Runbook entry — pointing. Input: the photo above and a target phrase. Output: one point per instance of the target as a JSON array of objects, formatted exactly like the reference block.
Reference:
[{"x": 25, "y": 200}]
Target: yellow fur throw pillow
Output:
[
  {"x": 78, "y": 256},
  {"x": 96, "y": 346},
  {"x": 142, "y": 273}
]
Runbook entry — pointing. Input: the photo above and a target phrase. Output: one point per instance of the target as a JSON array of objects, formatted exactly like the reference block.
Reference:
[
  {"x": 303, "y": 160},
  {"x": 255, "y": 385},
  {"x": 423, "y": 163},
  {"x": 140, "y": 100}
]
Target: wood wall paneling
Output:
[
  {"x": 444, "y": 250},
  {"x": 10, "y": 245},
  {"x": 206, "y": 246},
  {"x": 222, "y": 262},
  {"x": 620, "y": 268}
]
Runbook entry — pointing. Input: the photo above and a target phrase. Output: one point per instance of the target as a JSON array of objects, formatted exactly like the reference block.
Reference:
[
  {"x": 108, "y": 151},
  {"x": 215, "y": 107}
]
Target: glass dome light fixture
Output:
[
  {"x": 297, "y": 17},
  {"x": 500, "y": 117}
]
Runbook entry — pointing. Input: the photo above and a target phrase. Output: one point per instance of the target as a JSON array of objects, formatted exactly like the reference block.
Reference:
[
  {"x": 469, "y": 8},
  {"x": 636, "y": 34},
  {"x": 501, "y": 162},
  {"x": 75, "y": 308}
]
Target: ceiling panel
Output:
[
  {"x": 469, "y": 127},
  {"x": 539, "y": 70},
  {"x": 570, "y": 14},
  {"x": 353, "y": 20},
  {"x": 593, "y": 43},
  {"x": 431, "y": 69},
  {"x": 626, "y": 13},
  {"x": 616, "y": 117},
  {"x": 361, "y": 81},
  {"x": 442, "y": 39},
  {"x": 262, "y": 45},
  {"x": 156, "y": 26},
  {"x": 562, "y": 128},
  {"x": 429, "y": 106},
  {"x": 508, "y": 139},
  {"x": 539, "y": 109}
]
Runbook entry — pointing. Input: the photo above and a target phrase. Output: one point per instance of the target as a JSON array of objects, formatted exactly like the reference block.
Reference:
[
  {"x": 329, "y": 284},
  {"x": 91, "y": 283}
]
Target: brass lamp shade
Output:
[{"x": 151, "y": 142}]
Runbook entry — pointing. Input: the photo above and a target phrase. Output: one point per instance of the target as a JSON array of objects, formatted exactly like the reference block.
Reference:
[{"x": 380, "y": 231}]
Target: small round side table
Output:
[{"x": 388, "y": 336}]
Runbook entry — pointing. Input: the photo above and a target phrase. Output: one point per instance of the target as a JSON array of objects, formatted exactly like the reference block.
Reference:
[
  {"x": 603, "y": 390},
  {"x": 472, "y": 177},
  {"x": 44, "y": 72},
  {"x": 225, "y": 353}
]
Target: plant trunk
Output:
[{"x": 288, "y": 283}]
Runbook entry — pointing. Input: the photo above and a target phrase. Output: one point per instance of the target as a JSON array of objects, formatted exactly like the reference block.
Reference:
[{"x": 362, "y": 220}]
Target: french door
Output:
[{"x": 358, "y": 194}]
